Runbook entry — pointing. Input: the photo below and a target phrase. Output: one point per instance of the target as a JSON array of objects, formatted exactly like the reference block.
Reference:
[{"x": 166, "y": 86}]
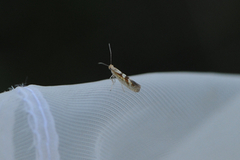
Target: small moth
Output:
[{"x": 123, "y": 78}]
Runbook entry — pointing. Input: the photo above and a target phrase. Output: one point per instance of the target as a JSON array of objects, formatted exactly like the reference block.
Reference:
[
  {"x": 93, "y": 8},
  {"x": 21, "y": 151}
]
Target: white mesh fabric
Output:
[
  {"x": 174, "y": 116},
  {"x": 31, "y": 133}
]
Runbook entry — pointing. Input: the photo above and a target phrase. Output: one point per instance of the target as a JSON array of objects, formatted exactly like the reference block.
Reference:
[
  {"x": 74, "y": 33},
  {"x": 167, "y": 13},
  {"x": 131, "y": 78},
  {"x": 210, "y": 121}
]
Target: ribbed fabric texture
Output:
[
  {"x": 32, "y": 134},
  {"x": 174, "y": 116}
]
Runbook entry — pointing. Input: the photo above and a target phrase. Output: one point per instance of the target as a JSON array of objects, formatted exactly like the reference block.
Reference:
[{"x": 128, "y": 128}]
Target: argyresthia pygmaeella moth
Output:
[{"x": 123, "y": 78}]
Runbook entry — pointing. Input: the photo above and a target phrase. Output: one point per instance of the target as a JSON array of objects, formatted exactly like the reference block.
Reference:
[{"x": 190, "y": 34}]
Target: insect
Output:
[{"x": 123, "y": 78}]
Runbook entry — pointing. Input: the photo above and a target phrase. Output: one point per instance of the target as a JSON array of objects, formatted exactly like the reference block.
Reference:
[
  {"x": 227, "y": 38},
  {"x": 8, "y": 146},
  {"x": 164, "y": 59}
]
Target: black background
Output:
[{"x": 61, "y": 42}]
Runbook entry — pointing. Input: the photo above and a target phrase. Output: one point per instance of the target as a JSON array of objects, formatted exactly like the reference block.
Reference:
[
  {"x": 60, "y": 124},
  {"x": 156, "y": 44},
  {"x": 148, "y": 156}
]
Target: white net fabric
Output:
[{"x": 182, "y": 116}]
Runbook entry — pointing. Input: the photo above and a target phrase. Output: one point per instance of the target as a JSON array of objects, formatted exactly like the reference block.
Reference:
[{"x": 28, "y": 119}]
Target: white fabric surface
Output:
[{"x": 181, "y": 116}]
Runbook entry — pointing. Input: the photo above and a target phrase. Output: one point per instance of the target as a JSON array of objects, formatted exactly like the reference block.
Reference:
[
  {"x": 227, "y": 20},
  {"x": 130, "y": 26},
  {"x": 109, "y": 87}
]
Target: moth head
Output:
[{"x": 110, "y": 67}]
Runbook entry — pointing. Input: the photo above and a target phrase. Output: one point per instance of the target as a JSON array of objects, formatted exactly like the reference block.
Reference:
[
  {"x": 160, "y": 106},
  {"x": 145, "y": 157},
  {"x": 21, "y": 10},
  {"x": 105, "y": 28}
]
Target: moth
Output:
[{"x": 123, "y": 78}]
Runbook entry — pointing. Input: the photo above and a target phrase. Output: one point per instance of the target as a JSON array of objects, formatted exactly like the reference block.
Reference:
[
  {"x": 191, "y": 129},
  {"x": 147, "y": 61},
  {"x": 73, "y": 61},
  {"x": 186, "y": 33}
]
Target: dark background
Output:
[{"x": 61, "y": 42}]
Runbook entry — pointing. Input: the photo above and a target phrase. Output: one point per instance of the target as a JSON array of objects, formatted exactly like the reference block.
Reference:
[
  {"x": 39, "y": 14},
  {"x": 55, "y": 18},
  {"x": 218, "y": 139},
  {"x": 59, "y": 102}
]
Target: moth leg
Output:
[
  {"x": 113, "y": 79},
  {"x": 122, "y": 87}
]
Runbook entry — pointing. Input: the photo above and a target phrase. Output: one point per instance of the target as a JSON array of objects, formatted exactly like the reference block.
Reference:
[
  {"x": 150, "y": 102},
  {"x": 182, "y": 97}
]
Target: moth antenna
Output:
[
  {"x": 103, "y": 64},
  {"x": 110, "y": 53}
]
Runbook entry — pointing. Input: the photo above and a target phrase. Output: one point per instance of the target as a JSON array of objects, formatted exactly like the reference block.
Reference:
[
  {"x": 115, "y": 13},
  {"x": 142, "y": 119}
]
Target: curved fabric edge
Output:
[
  {"x": 41, "y": 122},
  {"x": 163, "y": 121}
]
